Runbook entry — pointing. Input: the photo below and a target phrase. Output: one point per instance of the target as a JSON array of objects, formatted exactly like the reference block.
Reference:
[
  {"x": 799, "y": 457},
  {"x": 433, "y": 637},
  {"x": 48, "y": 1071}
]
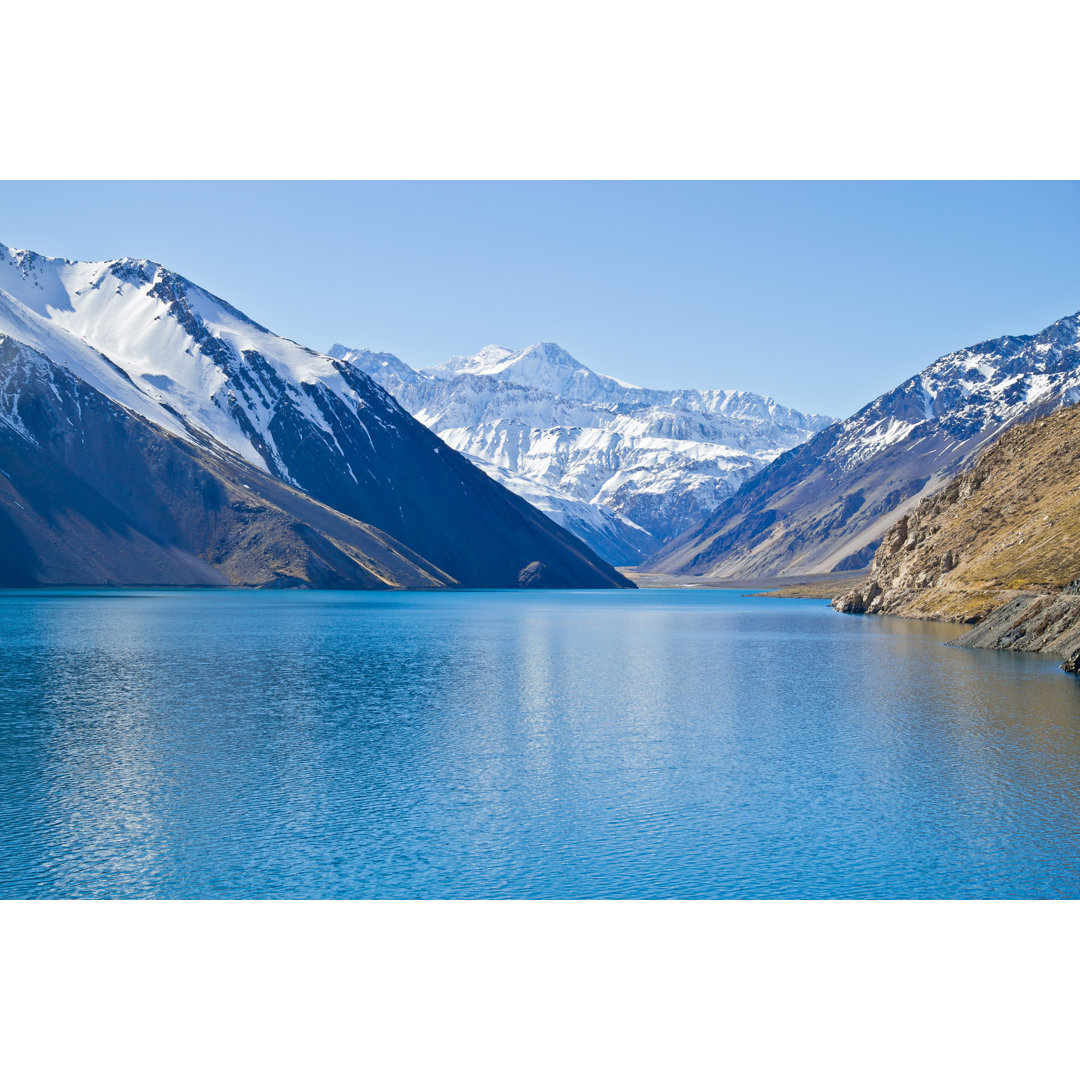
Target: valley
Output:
[{"x": 152, "y": 434}]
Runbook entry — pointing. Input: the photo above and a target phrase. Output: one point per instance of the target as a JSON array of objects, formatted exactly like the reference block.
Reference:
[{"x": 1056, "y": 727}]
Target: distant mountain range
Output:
[
  {"x": 624, "y": 468},
  {"x": 150, "y": 433},
  {"x": 824, "y": 505}
]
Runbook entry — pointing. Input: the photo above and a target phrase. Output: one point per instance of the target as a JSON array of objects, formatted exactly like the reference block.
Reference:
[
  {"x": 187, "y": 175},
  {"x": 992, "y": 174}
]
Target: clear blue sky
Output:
[{"x": 820, "y": 294}]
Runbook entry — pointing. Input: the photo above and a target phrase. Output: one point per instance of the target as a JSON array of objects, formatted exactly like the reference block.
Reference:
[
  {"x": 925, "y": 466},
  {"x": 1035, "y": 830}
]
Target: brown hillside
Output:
[{"x": 1006, "y": 528}]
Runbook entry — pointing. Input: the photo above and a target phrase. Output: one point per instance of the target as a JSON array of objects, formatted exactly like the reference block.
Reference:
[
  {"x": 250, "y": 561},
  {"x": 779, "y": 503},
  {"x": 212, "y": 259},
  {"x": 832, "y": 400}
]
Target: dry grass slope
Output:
[{"x": 1006, "y": 530}]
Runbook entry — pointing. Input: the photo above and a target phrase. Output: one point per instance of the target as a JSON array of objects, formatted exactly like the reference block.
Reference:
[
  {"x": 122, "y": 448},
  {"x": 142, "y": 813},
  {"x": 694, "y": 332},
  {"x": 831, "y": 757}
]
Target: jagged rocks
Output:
[{"x": 863, "y": 599}]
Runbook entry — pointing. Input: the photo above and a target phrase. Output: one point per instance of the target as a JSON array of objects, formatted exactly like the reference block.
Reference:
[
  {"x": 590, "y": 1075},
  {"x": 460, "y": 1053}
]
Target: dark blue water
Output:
[{"x": 689, "y": 743}]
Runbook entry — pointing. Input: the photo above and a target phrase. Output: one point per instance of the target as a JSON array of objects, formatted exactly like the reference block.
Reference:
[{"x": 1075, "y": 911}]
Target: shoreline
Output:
[
  {"x": 1000, "y": 619},
  {"x": 791, "y": 586},
  {"x": 1016, "y": 621}
]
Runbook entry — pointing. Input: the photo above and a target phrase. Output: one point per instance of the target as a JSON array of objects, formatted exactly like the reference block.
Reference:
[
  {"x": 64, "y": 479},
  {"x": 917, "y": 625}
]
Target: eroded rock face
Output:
[
  {"x": 998, "y": 546},
  {"x": 1072, "y": 665},
  {"x": 912, "y": 561},
  {"x": 1039, "y": 623},
  {"x": 863, "y": 599}
]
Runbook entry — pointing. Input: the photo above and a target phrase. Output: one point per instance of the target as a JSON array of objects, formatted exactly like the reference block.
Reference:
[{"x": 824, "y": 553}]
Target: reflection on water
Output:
[{"x": 662, "y": 743}]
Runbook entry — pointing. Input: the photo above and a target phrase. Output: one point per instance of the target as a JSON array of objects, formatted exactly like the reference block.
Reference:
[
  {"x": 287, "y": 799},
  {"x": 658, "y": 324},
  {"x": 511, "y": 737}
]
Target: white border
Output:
[
  {"x": 568, "y": 89},
  {"x": 523, "y": 989}
]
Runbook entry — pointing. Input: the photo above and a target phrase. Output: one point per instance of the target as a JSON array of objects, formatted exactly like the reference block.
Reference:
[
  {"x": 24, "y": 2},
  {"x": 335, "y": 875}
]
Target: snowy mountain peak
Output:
[
  {"x": 52, "y": 277},
  {"x": 973, "y": 389},
  {"x": 543, "y": 365},
  {"x": 368, "y": 360},
  {"x": 489, "y": 359},
  {"x": 626, "y": 468},
  {"x": 826, "y": 505},
  {"x": 133, "y": 334},
  {"x": 493, "y": 354},
  {"x": 168, "y": 349}
]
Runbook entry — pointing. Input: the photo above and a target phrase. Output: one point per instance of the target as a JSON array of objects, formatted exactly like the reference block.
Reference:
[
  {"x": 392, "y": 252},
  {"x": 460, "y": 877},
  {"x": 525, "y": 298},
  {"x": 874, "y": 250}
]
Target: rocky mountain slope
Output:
[
  {"x": 999, "y": 545},
  {"x": 623, "y": 467},
  {"x": 825, "y": 505},
  {"x": 169, "y": 355},
  {"x": 92, "y": 493}
]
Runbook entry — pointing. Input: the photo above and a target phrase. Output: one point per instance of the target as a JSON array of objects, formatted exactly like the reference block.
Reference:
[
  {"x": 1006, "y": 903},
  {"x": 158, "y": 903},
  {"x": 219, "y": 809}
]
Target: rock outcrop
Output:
[
  {"x": 998, "y": 546},
  {"x": 1040, "y": 623}
]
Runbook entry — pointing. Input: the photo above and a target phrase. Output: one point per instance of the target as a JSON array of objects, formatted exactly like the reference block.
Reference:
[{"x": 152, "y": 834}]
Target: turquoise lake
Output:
[{"x": 662, "y": 743}]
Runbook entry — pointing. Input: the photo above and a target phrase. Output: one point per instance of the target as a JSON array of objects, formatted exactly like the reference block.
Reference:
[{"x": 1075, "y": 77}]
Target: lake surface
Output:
[{"x": 661, "y": 743}]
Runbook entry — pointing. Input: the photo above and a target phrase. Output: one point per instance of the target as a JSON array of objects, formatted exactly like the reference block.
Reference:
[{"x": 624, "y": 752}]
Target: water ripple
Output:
[{"x": 653, "y": 744}]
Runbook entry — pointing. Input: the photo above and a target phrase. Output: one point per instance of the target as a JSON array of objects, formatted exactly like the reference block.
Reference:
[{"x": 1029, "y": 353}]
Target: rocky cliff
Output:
[{"x": 997, "y": 546}]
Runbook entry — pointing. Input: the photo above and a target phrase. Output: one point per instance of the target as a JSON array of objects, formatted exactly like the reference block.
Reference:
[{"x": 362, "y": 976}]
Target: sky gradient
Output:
[{"x": 822, "y": 295}]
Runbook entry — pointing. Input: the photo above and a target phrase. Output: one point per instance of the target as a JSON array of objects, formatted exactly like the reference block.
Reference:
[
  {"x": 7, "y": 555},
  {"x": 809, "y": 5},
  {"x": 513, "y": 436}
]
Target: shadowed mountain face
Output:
[
  {"x": 92, "y": 494},
  {"x": 622, "y": 467},
  {"x": 825, "y": 505},
  {"x": 160, "y": 356}
]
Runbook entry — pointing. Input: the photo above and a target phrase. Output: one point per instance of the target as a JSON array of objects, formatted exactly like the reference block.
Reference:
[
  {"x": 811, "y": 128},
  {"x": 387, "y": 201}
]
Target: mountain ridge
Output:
[
  {"x": 195, "y": 367},
  {"x": 628, "y": 466},
  {"x": 86, "y": 497},
  {"x": 824, "y": 506}
]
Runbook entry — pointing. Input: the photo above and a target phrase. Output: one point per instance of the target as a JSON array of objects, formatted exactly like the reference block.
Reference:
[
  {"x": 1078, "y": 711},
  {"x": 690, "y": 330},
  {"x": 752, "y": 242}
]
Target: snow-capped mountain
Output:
[
  {"x": 623, "y": 467},
  {"x": 168, "y": 352},
  {"x": 825, "y": 505},
  {"x": 92, "y": 493}
]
